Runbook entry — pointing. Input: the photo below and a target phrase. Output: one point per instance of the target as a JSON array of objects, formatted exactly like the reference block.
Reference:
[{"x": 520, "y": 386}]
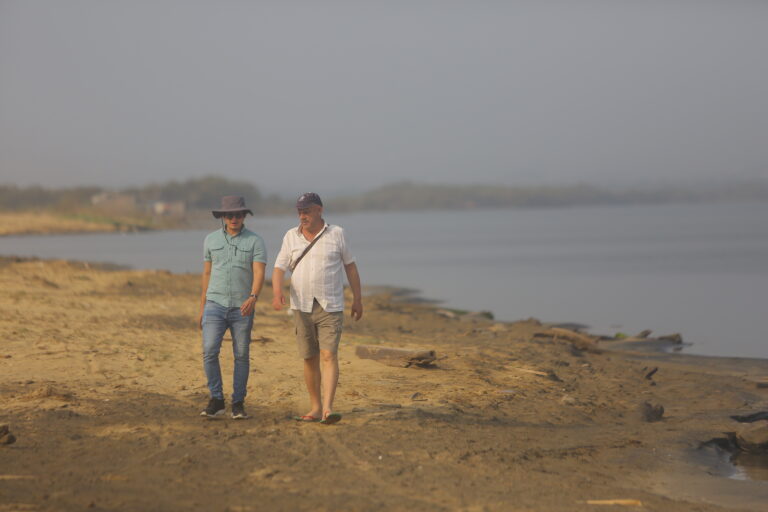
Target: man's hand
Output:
[
  {"x": 200, "y": 320},
  {"x": 278, "y": 301},
  {"x": 357, "y": 310},
  {"x": 246, "y": 309},
  {"x": 353, "y": 276}
]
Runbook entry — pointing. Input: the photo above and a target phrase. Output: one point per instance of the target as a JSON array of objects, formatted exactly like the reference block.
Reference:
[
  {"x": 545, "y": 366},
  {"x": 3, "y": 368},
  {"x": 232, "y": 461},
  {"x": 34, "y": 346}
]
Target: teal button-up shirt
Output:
[{"x": 232, "y": 260}]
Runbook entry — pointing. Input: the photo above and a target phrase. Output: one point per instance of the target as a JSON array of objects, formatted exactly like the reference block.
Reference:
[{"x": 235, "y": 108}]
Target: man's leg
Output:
[
  {"x": 240, "y": 327},
  {"x": 312, "y": 380},
  {"x": 330, "y": 370},
  {"x": 306, "y": 342},
  {"x": 329, "y": 326},
  {"x": 214, "y": 326}
]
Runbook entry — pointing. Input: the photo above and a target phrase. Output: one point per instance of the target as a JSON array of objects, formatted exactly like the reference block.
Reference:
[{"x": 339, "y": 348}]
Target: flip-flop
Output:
[
  {"x": 306, "y": 418},
  {"x": 332, "y": 418}
]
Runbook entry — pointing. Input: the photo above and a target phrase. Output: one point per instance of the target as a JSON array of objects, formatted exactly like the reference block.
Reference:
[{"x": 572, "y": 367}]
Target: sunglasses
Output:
[{"x": 237, "y": 215}]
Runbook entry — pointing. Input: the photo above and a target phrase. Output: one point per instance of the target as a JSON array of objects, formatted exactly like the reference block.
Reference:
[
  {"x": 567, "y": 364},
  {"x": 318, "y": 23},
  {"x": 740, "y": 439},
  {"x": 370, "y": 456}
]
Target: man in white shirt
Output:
[{"x": 316, "y": 253}]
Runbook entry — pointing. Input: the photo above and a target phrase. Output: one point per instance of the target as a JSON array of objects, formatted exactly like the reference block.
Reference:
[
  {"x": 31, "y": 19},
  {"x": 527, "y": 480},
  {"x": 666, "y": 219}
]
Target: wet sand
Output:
[{"x": 101, "y": 381}]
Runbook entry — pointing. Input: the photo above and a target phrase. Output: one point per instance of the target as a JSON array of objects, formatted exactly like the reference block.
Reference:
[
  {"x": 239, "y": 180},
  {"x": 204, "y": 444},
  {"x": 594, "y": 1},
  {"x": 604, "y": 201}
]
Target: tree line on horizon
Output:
[
  {"x": 198, "y": 194},
  {"x": 206, "y": 192}
]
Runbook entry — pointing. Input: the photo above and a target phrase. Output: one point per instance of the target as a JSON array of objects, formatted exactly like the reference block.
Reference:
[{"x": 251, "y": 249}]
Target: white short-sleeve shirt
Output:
[{"x": 320, "y": 274}]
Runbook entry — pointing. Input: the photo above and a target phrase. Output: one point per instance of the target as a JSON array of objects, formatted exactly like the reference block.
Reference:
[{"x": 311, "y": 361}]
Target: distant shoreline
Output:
[
  {"x": 182, "y": 205},
  {"x": 24, "y": 223},
  {"x": 411, "y": 296}
]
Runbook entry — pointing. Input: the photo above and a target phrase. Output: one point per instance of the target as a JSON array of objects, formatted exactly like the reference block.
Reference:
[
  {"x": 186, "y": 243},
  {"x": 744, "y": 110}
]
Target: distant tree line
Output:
[
  {"x": 35, "y": 197},
  {"x": 415, "y": 196},
  {"x": 199, "y": 193},
  {"x": 205, "y": 193}
]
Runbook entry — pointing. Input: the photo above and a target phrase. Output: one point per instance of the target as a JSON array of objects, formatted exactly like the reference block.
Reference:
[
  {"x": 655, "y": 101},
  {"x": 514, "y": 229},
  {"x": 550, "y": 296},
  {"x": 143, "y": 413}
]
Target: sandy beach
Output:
[
  {"x": 101, "y": 383},
  {"x": 43, "y": 223}
]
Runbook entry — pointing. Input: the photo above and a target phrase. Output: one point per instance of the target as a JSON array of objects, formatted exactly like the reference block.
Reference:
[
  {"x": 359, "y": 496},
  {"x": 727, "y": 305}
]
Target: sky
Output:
[{"x": 342, "y": 96}]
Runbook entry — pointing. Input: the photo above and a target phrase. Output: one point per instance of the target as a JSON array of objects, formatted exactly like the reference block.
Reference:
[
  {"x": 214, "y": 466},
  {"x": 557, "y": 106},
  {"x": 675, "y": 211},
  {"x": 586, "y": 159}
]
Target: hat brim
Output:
[{"x": 219, "y": 213}]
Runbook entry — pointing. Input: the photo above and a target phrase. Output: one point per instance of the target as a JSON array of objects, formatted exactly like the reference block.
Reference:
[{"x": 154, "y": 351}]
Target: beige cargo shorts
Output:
[{"x": 317, "y": 330}]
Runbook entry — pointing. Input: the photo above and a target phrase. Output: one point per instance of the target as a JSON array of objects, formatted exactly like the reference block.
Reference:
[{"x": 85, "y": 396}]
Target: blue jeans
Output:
[{"x": 216, "y": 320}]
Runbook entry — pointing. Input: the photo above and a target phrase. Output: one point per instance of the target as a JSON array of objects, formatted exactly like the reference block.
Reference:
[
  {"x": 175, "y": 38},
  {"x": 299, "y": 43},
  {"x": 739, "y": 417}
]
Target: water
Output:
[{"x": 698, "y": 269}]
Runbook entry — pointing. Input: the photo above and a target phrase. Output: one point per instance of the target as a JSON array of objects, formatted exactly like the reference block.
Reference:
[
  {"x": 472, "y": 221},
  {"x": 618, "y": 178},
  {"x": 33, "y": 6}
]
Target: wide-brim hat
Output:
[{"x": 231, "y": 204}]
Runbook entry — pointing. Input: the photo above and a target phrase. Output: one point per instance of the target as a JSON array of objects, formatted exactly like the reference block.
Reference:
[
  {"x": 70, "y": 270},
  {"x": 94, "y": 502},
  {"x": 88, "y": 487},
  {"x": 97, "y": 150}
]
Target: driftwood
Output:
[
  {"x": 548, "y": 374},
  {"x": 675, "y": 338},
  {"x": 577, "y": 339},
  {"x": 581, "y": 341},
  {"x": 672, "y": 338},
  {"x": 626, "y": 503},
  {"x": 751, "y": 418},
  {"x": 526, "y": 370},
  {"x": 400, "y": 357}
]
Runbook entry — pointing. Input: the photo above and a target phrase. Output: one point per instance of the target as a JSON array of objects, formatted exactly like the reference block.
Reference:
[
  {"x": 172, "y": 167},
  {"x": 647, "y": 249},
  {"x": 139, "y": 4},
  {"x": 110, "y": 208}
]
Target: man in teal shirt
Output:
[{"x": 233, "y": 274}]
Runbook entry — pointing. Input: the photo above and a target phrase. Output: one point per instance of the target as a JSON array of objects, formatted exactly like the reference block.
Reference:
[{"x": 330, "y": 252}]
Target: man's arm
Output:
[
  {"x": 258, "y": 280},
  {"x": 278, "y": 301},
  {"x": 206, "y": 280},
  {"x": 353, "y": 276}
]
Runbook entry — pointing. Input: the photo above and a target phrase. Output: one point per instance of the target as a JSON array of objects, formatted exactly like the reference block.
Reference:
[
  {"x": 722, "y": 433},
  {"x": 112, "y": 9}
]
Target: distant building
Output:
[{"x": 169, "y": 208}]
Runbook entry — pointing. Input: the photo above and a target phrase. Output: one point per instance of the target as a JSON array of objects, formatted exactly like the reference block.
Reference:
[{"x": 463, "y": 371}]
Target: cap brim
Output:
[{"x": 301, "y": 206}]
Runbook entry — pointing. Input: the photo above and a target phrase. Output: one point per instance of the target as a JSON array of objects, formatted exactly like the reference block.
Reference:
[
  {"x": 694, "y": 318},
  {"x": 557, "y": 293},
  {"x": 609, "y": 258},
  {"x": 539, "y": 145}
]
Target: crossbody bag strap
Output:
[{"x": 307, "y": 248}]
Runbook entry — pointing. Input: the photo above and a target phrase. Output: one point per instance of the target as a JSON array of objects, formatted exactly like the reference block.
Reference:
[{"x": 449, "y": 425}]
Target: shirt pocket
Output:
[
  {"x": 332, "y": 250},
  {"x": 244, "y": 256},
  {"x": 218, "y": 255}
]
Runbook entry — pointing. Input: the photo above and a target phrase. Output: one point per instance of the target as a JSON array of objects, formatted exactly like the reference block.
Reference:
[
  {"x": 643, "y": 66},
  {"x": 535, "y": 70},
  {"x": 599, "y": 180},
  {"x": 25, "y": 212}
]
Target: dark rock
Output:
[
  {"x": 652, "y": 412},
  {"x": 553, "y": 376}
]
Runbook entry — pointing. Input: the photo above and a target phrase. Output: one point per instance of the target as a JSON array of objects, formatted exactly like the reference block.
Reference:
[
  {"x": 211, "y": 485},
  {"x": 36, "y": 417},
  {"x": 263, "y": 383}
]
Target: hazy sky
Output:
[{"x": 338, "y": 96}]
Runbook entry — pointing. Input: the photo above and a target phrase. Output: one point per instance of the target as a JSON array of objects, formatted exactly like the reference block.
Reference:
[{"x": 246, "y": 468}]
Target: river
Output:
[{"x": 697, "y": 269}]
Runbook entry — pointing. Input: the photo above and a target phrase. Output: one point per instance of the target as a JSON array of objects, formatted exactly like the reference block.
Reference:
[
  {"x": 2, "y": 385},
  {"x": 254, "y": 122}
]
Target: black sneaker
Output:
[
  {"x": 215, "y": 408},
  {"x": 238, "y": 411}
]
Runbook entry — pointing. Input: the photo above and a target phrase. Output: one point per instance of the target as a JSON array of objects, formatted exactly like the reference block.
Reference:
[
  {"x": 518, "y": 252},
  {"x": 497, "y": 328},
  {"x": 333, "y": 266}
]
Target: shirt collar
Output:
[
  {"x": 225, "y": 233},
  {"x": 298, "y": 231}
]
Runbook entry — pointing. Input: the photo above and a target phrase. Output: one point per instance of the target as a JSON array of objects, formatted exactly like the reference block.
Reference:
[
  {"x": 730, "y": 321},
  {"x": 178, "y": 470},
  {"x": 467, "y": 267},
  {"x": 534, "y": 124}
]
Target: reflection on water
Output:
[
  {"x": 718, "y": 459},
  {"x": 752, "y": 466}
]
